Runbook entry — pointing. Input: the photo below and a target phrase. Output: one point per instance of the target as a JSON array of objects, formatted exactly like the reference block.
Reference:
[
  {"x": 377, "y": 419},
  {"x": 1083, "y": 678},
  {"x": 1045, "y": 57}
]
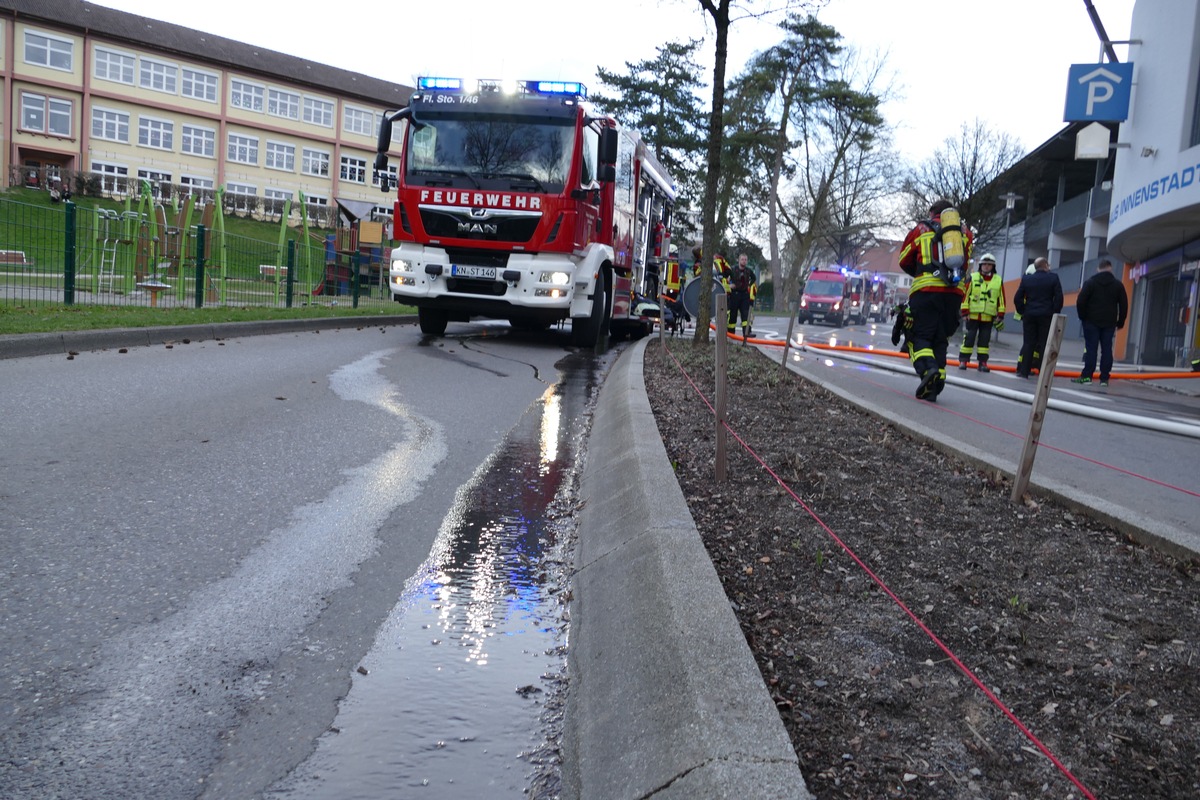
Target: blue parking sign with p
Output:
[{"x": 1098, "y": 92}]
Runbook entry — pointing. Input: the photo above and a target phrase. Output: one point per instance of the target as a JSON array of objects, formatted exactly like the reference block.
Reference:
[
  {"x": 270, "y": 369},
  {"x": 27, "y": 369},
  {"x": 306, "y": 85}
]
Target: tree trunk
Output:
[{"x": 716, "y": 134}]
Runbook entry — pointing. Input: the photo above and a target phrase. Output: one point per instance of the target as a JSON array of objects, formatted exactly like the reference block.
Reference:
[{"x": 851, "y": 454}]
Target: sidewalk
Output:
[{"x": 1007, "y": 346}]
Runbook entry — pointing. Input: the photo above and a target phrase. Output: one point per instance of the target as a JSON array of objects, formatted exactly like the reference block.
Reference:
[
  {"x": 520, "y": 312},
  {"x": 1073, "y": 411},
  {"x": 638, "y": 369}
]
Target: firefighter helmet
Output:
[{"x": 987, "y": 258}]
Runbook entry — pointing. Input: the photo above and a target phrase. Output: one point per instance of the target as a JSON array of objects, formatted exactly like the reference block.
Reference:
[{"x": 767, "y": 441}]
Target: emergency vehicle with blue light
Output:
[{"x": 522, "y": 202}]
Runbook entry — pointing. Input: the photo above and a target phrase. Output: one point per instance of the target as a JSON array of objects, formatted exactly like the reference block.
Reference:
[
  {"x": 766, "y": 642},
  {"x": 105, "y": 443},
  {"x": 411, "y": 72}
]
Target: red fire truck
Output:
[{"x": 523, "y": 203}]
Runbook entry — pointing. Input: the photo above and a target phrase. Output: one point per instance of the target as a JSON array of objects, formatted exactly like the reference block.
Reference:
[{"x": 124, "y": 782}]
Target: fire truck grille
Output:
[
  {"x": 476, "y": 286},
  {"x": 461, "y": 225}
]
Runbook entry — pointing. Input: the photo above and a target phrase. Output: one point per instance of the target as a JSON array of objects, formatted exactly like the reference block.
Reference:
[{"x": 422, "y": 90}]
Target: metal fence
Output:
[{"x": 68, "y": 254}]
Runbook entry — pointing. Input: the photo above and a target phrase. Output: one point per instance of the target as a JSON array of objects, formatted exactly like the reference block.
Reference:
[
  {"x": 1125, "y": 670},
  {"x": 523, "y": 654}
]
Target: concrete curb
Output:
[
  {"x": 40, "y": 344},
  {"x": 665, "y": 698}
]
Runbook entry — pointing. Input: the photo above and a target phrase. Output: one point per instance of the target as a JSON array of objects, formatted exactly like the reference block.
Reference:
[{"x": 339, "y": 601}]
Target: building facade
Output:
[
  {"x": 1154, "y": 217},
  {"x": 101, "y": 100}
]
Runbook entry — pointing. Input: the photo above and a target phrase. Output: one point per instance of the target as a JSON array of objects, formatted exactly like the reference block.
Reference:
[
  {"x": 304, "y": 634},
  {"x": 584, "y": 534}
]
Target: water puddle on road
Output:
[{"x": 461, "y": 692}]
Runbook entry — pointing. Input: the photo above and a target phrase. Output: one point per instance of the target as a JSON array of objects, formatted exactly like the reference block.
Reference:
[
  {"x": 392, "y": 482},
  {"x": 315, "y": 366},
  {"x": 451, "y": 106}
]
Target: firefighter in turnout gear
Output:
[
  {"x": 933, "y": 301},
  {"x": 741, "y": 286},
  {"x": 982, "y": 309}
]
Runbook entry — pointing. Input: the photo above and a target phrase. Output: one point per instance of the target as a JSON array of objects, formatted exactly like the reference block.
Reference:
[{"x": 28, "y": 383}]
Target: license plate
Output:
[{"x": 469, "y": 271}]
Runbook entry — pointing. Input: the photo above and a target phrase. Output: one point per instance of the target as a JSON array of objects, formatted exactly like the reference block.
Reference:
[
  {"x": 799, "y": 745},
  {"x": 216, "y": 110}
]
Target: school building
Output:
[{"x": 100, "y": 100}]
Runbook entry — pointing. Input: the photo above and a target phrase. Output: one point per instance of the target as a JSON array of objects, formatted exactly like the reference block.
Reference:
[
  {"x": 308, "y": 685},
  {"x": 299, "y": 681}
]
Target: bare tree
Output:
[
  {"x": 963, "y": 170},
  {"x": 719, "y": 11},
  {"x": 837, "y": 133}
]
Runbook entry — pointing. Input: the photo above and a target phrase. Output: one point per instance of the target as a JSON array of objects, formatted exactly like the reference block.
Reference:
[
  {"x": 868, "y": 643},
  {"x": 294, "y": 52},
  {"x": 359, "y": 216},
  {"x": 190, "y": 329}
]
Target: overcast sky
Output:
[{"x": 1007, "y": 59}]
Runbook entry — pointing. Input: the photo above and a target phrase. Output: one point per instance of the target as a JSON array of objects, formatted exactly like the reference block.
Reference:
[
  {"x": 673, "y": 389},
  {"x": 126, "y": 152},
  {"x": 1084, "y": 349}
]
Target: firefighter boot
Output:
[
  {"x": 983, "y": 367},
  {"x": 928, "y": 388},
  {"x": 964, "y": 361}
]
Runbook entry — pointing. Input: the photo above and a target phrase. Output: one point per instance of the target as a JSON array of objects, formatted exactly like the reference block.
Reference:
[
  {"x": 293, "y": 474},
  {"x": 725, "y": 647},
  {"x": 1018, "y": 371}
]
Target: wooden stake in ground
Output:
[
  {"x": 1037, "y": 414},
  {"x": 787, "y": 342},
  {"x": 720, "y": 369}
]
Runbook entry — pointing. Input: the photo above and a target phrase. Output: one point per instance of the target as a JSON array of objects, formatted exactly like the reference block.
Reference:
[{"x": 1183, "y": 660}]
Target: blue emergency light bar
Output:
[
  {"x": 569, "y": 88},
  {"x": 427, "y": 84},
  {"x": 544, "y": 88}
]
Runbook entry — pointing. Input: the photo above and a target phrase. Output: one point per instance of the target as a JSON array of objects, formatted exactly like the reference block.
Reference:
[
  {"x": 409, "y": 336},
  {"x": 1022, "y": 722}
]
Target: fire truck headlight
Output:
[
  {"x": 555, "y": 278},
  {"x": 837, "y": 305},
  {"x": 804, "y": 302},
  {"x": 555, "y": 293}
]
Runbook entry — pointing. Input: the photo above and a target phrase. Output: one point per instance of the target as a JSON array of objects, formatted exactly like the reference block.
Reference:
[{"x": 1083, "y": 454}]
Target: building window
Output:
[
  {"x": 42, "y": 114},
  {"x": 357, "y": 120},
  {"x": 110, "y": 125},
  {"x": 198, "y": 141},
  {"x": 281, "y": 156},
  {"x": 49, "y": 51},
  {"x": 283, "y": 104},
  {"x": 114, "y": 66},
  {"x": 199, "y": 85},
  {"x": 354, "y": 169},
  {"x": 315, "y": 162},
  {"x": 277, "y": 194},
  {"x": 241, "y": 196},
  {"x": 196, "y": 187},
  {"x": 315, "y": 207},
  {"x": 242, "y": 149},
  {"x": 1195, "y": 140},
  {"x": 318, "y": 112},
  {"x": 159, "y": 76},
  {"x": 157, "y": 181},
  {"x": 392, "y": 171},
  {"x": 156, "y": 133},
  {"x": 246, "y": 95},
  {"x": 112, "y": 177}
]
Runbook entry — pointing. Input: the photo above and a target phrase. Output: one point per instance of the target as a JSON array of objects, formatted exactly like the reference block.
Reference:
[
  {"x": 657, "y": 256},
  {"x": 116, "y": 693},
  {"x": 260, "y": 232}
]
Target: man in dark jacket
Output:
[
  {"x": 1038, "y": 299},
  {"x": 1102, "y": 306}
]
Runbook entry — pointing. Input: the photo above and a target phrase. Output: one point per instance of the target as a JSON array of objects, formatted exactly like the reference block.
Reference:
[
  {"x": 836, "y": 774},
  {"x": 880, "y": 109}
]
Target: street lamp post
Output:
[{"x": 1010, "y": 201}]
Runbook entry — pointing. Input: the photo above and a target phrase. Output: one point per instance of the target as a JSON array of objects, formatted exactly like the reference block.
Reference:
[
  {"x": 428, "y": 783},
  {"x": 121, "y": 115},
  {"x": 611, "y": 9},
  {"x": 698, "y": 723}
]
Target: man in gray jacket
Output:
[{"x": 1102, "y": 306}]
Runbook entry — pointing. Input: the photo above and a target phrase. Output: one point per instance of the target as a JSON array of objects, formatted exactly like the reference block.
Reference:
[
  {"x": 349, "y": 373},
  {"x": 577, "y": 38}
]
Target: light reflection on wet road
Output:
[{"x": 458, "y": 699}]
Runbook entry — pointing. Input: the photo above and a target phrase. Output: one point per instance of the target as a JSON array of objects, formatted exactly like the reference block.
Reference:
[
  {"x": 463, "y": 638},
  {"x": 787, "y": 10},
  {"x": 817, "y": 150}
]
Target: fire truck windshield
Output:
[
  {"x": 820, "y": 287},
  {"x": 491, "y": 151}
]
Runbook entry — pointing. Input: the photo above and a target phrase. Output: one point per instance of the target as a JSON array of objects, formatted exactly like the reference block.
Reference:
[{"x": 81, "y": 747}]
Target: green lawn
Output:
[{"x": 32, "y": 223}]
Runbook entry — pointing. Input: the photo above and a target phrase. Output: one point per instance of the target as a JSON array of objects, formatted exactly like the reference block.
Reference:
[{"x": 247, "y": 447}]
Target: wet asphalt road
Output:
[{"x": 203, "y": 544}]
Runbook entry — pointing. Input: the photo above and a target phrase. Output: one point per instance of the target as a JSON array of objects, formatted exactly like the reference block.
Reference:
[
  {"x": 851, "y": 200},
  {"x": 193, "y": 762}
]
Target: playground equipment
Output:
[
  {"x": 354, "y": 250},
  {"x": 107, "y": 235}
]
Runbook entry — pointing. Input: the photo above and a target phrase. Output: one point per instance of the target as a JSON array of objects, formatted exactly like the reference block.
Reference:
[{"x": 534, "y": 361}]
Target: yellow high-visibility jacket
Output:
[{"x": 984, "y": 297}]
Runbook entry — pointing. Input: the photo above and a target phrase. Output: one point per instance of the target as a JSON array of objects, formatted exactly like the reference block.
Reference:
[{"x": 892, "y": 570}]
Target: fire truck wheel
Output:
[
  {"x": 432, "y": 321},
  {"x": 586, "y": 332}
]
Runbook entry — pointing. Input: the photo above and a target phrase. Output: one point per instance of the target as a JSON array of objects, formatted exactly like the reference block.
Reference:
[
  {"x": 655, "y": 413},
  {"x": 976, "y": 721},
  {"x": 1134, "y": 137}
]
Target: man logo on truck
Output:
[{"x": 475, "y": 227}]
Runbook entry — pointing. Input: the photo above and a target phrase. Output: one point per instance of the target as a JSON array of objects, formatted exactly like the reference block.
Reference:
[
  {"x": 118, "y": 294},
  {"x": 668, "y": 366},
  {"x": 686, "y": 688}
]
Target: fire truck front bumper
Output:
[{"x": 523, "y": 280}]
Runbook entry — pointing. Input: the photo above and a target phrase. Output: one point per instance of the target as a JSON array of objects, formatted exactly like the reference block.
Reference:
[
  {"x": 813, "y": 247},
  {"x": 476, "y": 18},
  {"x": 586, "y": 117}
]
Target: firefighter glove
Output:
[
  {"x": 903, "y": 322},
  {"x": 998, "y": 323}
]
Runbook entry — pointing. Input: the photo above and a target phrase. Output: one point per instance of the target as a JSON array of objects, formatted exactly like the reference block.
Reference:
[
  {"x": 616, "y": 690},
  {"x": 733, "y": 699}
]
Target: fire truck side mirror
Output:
[
  {"x": 607, "y": 173},
  {"x": 608, "y": 149}
]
